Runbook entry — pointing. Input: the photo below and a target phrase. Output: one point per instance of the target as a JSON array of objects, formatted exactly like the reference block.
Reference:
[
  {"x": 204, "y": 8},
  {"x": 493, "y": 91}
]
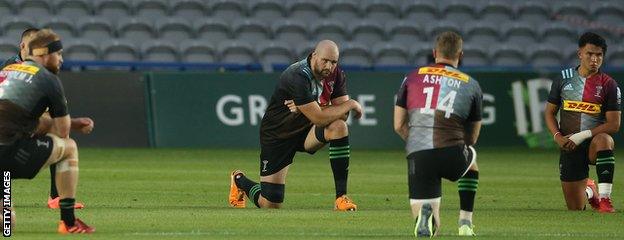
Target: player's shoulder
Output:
[
  {"x": 568, "y": 73},
  {"x": 606, "y": 77},
  {"x": 298, "y": 71}
]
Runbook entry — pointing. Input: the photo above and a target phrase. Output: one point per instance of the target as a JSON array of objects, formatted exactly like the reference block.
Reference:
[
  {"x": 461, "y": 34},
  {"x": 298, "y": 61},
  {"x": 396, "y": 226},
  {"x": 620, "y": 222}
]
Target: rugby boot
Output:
[
  {"x": 344, "y": 203},
  {"x": 594, "y": 201},
  {"x": 425, "y": 224},
  {"x": 237, "y": 195},
  {"x": 606, "y": 206},
  {"x": 79, "y": 227}
]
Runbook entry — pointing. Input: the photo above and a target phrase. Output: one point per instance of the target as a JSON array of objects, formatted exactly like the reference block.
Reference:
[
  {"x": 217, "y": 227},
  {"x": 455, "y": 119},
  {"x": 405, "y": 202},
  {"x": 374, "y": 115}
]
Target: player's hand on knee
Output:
[
  {"x": 563, "y": 142},
  {"x": 291, "y": 105}
]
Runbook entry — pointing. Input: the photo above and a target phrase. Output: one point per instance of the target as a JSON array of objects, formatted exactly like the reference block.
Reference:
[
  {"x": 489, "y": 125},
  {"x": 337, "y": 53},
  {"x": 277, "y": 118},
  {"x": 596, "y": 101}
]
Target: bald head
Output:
[
  {"x": 326, "y": 46},
  {"x": 324, "y": 59}
]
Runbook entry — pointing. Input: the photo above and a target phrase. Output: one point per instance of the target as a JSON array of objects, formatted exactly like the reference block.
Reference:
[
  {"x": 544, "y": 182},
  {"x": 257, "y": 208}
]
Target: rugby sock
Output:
[
  {"x": 339, "y": 151},
  {"x": 67, "y": 211},
  {"x": 605, "y": 165},
  {"x": 467, "y": 188},
  {"x": 53, "y": 190},
  {"x": 251, "y": 188}
]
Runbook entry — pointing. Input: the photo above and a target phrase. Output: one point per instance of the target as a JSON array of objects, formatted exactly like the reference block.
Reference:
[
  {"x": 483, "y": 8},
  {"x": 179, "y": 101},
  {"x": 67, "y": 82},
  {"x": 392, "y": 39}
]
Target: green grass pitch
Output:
[{"x": 182, "y": 194}]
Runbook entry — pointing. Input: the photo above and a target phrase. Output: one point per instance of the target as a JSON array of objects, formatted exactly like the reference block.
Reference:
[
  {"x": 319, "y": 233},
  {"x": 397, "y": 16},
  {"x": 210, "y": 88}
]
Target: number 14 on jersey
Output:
[{"x": 431, "y": 104}]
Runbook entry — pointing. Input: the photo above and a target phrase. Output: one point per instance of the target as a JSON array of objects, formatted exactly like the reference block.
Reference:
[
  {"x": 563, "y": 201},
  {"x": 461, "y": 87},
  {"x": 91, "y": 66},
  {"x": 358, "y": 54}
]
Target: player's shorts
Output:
[
  {"x": 574, "y": 165},
  {"x": 426, "y": 169},
  {"x": 277, "y": 155},
  {"x": 25, "y": 157}
]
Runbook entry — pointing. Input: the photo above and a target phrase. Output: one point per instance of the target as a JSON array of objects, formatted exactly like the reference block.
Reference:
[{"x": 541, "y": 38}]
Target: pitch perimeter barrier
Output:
[{"x": 225, "y": 109}]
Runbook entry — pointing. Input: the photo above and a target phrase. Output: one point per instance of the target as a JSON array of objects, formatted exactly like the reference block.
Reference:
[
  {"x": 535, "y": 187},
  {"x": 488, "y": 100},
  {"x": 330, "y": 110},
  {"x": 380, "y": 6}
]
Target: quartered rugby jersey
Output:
[
  {"x": 583, "y": 101},
  {"x": 439, "y": 100},
  {"x": 297, "y": 83}
]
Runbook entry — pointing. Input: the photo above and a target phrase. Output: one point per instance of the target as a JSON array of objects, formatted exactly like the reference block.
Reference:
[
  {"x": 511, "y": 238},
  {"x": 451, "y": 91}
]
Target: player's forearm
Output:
[
  {"x": 402, "y": 131},
  {"x": 608, "y": 128},
  {"x": 44, "y": 126},
  {"x": 332, "y": 113}
]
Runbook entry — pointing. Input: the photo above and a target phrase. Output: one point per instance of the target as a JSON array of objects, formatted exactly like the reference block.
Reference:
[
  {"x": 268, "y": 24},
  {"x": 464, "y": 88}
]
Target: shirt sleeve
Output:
[
  {"x": 301, "y": 90},
  {"x": 340, "y": 86},
  {"x": 613, "y": 97},
  {"x": 476, "y": 108},
  {"x": 56, "y": 94},
  {"x": 401, "y": 100},
  {"x": 554, "y": 96}
]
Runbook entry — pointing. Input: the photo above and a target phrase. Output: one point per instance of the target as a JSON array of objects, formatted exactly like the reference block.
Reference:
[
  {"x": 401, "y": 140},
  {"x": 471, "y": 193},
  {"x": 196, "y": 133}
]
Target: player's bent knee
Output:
[
  {"x": 58, "y": 148},
  {"x": 603, "y": 139},
  {"x": 338, "y": 129},
  {"x": 272, "y": 192}
]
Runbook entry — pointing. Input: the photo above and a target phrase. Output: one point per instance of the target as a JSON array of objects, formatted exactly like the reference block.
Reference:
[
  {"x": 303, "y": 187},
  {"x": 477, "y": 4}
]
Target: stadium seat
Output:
[
  {"x": 290, "y": 30},
  {"x": 150, "y": 9},
  {"x": 119, "y": 50},
  {"x": 557, "y": 33},
  {"x": 213, "y": 29},
  {"x": 570, "y": 55},
  {"x": 267, "y": 10},
  {"x": 546, "y": 55},
  {"x": 250, "y": 30},
  {"x": 615, "y": 57},
  {"x": 405, "y": 32},
  {"x": 174, "y": 29},
  {"x": 420, "y": 11},
  {"x": 475, "y": 54},
  {"x": 6, "y": 7},
  {"x": 159, "y": 51},
  {"x": 37, "y": 9},
  {"x": 329, "y": 29},
  {"x": 496, "y": 11},
  {"x": 508, "y": 55},
  {"x": 482, "y": 33},
  {"x": 8, "y": 48},
  {"x": 64, "y": 27},
  {"x": 608, "y": 12},
  {"x": 74, "y": 9},
  {"x": 138, "y": 30},
  {"x": 197, "y": 51},
  {"x": 342, "y": 10},
  {"x": 367, "y": 32},
  {"x": 458, "y": 11},
  {"x": 420, "y": 54},
  {"x": 13, "y": 27},
  {"x": 381, "y": 11},
  {"x": 435, "y": 28},
  {"x": 189, "y": 9},
  {"x": 112, "y": 9},
  {"x": 519, "y": 33},
  {"x": 80, "y": 50},
  {"x": 388, "y": 54},
  {"x": 272, "y": 52},
  {"x": 303, "y": 49},
  {"x": 355, "y": 54},
  {"x": 229, "y": 9},
  {"x": 236, "y": 52},
  {"x": 574, "y": 9},
  {"x": 304, "y": 10},
  {"x": 95, "y": 29},
  {"x": 534, "y": 12}
]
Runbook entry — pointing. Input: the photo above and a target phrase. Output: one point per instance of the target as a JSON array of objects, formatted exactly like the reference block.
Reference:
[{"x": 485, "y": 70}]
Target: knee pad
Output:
[{"x": 272, "y": 191}]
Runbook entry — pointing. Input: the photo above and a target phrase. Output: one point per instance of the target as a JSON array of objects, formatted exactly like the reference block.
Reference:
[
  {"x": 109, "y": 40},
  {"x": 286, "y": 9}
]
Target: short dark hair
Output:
[
  {"x": 593, "y": 38},
  {"x": 449, "y": 45}
]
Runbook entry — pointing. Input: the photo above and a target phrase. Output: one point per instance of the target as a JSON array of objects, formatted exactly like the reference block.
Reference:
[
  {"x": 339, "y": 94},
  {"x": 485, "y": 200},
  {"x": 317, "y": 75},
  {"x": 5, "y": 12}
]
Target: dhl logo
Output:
[
  {"x": 22, "y": 68},
  {"x": 443, "y": 72},
  {"x": 578, "y": 106}
]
